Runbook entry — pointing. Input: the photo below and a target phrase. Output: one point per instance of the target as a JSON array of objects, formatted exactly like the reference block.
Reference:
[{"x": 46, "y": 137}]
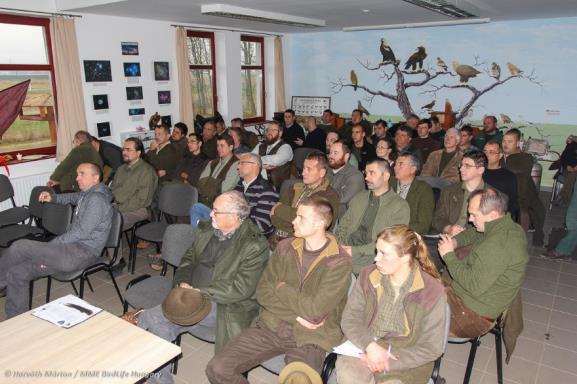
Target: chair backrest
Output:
[
  {"x": 35, "y": 207},
  {"x": 299, "y": 157},
  {"x": 115, "y": 234},
  {"x": 177, "y": 239},
  {"x": 56, "y": 218},
  {"x": 287, "y": 184},
  {"x": 177, "y": 198},
  {"x": 6, "y": 189}
]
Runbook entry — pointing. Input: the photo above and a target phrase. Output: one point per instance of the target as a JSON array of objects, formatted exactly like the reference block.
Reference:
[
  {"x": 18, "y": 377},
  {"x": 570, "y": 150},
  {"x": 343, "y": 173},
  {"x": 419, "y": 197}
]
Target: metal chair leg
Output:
[
  {"x": 499, "y": 353},
  {"x": 471, "y": 361},
  {"x": 48, "y": 288},
  {"x": 74, "y": 287},
  {"x": 81, "y": 294},
  {"x": 30, "y": 293},
  {"x": 116, "y": 286},
  {"x": 176, "y": 358},
  {"x": 89, "y": 284}
]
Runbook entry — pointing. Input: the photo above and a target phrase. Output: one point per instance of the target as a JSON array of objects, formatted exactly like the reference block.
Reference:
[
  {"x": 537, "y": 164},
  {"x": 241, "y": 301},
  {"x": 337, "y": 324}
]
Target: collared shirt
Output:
[
  {"x": 464, "y": 216},
  {"x": 403, "y": 190},
  {"x": 247, "y": 184}
]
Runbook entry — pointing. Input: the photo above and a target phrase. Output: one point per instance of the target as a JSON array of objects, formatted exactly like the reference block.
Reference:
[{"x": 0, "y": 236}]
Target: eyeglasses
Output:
[
  {"x": 215, "y": 212},
  {"x": 246, "y": 162},
  {"x": 467, "y": 166}
]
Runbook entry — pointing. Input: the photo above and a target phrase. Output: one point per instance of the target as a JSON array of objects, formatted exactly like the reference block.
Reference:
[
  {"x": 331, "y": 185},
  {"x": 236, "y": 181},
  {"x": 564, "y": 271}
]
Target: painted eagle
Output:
[
  {"x": 354, "y": 80},
  {"x": 465, "y": 71},
  {"x": 387, "y": 52},
  {"x": 416, "y": 58}
]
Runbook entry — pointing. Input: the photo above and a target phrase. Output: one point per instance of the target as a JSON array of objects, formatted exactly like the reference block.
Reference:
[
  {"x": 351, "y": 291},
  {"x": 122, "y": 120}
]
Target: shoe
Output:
[
  {"x": 118, "y": 268},
  {"x": 156, "y": 263},
  {"x": 2, "y": 292},
  {"x": 553, "y": 255},
  {"x": 142, "y": 244}
]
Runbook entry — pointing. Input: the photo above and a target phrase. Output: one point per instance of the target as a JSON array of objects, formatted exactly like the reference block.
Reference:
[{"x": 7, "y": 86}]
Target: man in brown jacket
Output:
[
  {"x": 442, "y": 166},
  {"x": 302, "y": 294}
]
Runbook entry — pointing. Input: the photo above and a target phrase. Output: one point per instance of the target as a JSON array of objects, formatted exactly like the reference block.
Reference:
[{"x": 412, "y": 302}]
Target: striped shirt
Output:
[{"x": 261, "y": 196}]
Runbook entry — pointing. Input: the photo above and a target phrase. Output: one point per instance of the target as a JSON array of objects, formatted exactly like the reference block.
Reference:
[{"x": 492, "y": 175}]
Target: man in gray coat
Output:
[
  {"x": 344, "y": 178},
  {"x": 28, "y": 260}
]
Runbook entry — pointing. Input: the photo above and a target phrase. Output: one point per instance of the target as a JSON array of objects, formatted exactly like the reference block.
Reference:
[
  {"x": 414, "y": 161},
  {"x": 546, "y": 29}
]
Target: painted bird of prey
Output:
[
  {"x": 465, "y": 72},
  {"x": 441, "y": 65},
  {"x": 514, "y": 70},
  {"x": 354, "y": 80},
  {"x": 506, "y": 119},
  {"x": 495, "y": 71},
  {"x": 416, "y": 58},
  {"x": 361, "y": 108},
  {"x": 429, "y": 106},
  {"x": 387, "y": 52}
]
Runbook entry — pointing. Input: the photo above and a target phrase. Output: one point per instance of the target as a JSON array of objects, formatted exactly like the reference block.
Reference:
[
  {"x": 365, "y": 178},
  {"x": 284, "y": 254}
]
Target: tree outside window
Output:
[
  {"x": 252, "y": 73},
  {"x": 202, "y": 72}
]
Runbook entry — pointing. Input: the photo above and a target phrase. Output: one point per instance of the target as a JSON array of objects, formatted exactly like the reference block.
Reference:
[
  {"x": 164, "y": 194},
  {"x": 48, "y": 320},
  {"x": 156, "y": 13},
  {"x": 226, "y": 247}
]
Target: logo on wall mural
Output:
[{"x": 417, "y": 72}]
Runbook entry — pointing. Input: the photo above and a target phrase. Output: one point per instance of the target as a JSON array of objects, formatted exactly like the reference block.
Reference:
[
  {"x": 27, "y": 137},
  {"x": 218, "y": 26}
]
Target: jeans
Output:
[{"x": 199, "y": 212}]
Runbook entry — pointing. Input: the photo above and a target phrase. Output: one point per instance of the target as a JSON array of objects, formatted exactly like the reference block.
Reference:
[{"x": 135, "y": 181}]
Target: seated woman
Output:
[
  {"x": 386, "y": 150},
  {"x": 396, "y": 314}
]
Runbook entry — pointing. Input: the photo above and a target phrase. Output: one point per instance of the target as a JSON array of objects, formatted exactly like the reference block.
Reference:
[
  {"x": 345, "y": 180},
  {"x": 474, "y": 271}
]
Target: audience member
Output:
[
  {"x": 531, "y": 209},
  {"x": 417, "y": 193},
  {"x": 111, "y": 156},
  {"x": 192, "y": 165},
  {"x": 326, "y": 123},
  {"x": 396, "y": 314},
  {"x": 442, "y": 166},
  {"x": 379, "y": 131},
  {"x": 292, "y": 131},
  {"x": 27, "y": 260},
  {"x": 451, "y": 213},
  {"x": 501, "y": 178},
  {"x": 276, "y": 155},
  {"x": 224, "y": 263},
  {"x": 219, "y": 124},
  {"x": 344, "y": 178},
  {"x": 466, "y": 138},
  {"x": 248, "y": 138},
  {"x": 314, "y": 183},
  {"x": 437, "y": 132},
  {"x": 239, "y": 147},
  {"x": 178, "y": 139},
  {"x": 259, "y": 193},
  {"x": 209, "y": 139},
  {"x": 302, "y": 294},
  {"x": 356, "y": 118},
  {"x": 403, "y": 142},
  {"x": 424, "y": 142},
  {"x": 568, "y": 163},
  {"x": 483, "y": 283},
  {"x": 162, "y": 155},
  {"x": 316, "y": 138},
  {"x": 385, "y": 150},
  {"x": 63, "y": 178},
  {"x": 369, "y": 213},
  {"x": 490, "y": 132},
  {"x": 361, "y": 148},
  {"x": 566, "y": 247},
  {"x": 413, "y": 122},
  {"x": 332, "y": 137}
]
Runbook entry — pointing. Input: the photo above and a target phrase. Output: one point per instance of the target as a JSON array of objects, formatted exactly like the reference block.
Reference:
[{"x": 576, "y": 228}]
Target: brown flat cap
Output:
[{"x": 185, "y": 306}]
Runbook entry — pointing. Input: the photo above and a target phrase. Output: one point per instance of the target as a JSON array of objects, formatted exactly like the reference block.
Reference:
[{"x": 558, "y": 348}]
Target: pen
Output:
[{"x": 389, "y": 351}]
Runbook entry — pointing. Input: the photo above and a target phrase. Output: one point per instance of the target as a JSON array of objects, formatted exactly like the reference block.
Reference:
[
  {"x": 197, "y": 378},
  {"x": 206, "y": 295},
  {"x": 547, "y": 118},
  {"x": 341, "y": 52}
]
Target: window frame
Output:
[
  {"x": 212, "y": 67},
  {"x": 261, "y": 67},
  {"x": 45, "y": 23}
]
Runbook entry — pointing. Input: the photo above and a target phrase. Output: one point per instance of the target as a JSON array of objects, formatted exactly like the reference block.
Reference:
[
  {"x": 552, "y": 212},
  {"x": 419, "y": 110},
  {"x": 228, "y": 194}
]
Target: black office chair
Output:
[
  {"x": 299, "y": 157},
  {"x": 15, "y": 214}
]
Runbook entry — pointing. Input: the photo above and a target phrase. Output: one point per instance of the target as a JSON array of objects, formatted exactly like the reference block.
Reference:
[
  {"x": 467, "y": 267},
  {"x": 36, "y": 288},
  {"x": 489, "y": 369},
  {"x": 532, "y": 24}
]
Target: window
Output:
[
  {"x": 252, "y": 73},
  {"x": 202, "y": 72},
  {"x": 27, "y": 55}
]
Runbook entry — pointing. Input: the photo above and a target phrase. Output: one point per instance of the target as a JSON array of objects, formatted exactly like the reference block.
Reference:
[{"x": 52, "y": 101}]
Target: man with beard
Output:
[
  {"x": 490, "y": 132},
  {"x": 276, "y": 155},
  {"x": 346, "y": 179}
]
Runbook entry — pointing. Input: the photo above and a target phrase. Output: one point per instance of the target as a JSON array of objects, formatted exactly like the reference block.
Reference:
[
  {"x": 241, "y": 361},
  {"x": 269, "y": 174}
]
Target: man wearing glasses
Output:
[
  {"x": 276, "y": 155},
  {"x": 500, "y": 178},
  {"x": 451, "y": 214}
]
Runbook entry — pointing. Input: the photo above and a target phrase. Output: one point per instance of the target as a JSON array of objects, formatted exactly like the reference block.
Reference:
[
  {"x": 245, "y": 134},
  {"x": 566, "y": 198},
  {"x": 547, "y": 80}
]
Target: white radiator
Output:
[{"x": 22, "y": 188}]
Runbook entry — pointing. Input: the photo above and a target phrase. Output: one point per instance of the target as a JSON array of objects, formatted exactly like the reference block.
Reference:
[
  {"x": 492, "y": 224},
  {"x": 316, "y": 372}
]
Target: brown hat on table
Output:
[
  {"x": 299, "y": 373},
  {"x": 185, "y": 306}
]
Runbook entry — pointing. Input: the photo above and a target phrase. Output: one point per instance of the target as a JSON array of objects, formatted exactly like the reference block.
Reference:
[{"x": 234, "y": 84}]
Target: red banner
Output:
[{"x": 11, "y": 101}]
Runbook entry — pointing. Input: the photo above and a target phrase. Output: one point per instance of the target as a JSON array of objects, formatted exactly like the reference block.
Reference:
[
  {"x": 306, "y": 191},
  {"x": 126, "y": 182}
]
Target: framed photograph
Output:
[
  {"x": 132, "y": 69},
  {"x": 129, "y": 49},
  {"x": 310, "y": 105},
  {"x": 97, "y": 70},
  {"x": 161, "y": 71},
  {"x": 103, "y": 129},
  {"x": 163, "y": 97},
  {"x": 135, "y": 111},
  {"x": 166, "y": 120},
  {"x": 134, "y": 93},
  {"x": 100, "y": 101}
]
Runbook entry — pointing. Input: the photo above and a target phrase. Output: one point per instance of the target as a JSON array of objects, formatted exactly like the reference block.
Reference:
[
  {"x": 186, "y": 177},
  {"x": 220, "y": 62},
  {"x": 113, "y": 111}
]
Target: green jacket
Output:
[
  {"x": 286, "y": 211},
  {"x": 133, "y": 186},
  {"x": 425, "y": 318},
  {"x": 65, "y": 172},
  {"x": 422, "y": 204},
  {"x": 166, "y": 159},
  {"x": 392, "y": 210},
  {"x": 236, "y": 274},
  {"x": 319, "y": 295},
  {"x": 491, "y": 275}
]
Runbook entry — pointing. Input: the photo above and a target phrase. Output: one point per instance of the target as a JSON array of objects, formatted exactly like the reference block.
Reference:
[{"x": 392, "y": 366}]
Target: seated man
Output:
[
  {"x": 248, "y": 138},
  {"x": 466, "y": 139},
  {"x": 424, "y": 142},
  {"x": 191, "y": 166},
  {"x": 224, "y": 263},
  {"x": 219, "y": 175},
  {"x": 450, "y": 216},
  {"x": 275, "y": 155},
  {"x": 209, "y": 139},
  {"x": 369, "y": 213},
  {"x": 566, "y": 247},
  {"x": 344, "y": 178},
  {"x": 314, "y": 183},
  {"x": 239, "y": 146},
  {"x": 380, "y": 130},
  {"x": 403, "y": 142},
  {"x": 490, "y": 132},
  {"x": 63, "y": 178},
  {"x": 302, "y": 293},
  {"x": 356, "y": 119},
  {"x": 442, "y": 167},
  {"x": 315, "y": 138},
  {"x": 110, "y": 154},
  {"x": 178, "y": 139},
  {"x": 568, "y": 163},
  {"x": 360, "y": 147},
  {"x": 501, "y": 178},
  {"x": 437, "y": 132},
  {"x": 259, "y": 193},
  {"x": 484, "y": 282},
  {"x": 292, "y": 131},
  {"x": 417, "y": 193},
  {"x": 134, "y": 186},
  {"x": 326, "y": 123},
  {"x": 162, "y": 155},
  {"x": 28, "y": 260}
]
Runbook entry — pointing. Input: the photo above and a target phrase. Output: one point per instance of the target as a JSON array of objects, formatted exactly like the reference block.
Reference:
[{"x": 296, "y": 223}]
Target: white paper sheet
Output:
[
  {"x": 66, "y": 311},
  {"x": 348, "y": 349}
]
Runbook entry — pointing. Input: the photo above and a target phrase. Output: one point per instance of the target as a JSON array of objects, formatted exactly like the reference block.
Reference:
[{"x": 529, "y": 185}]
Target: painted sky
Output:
[{"x": 545, "y": 47}]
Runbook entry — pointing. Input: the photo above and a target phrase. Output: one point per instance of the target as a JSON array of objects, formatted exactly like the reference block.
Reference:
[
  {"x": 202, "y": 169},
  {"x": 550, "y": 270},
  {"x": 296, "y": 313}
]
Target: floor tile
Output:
[
  {"x": 540, "y": 273},
  {"x": 549, "y": 375},
  {"x": 528, "y": 349},
  {"x": 563, "y": 338},
  {"x": 560, "y": 358},
  {"x": 534, "y": 330},
  {"x": 519, "y": 370},
  {"x": 535, "y": 313},
  {"x": 564, "y": 321},
  {"x": 537, "y": 298},
  {"x": 565, "y": 305},
  {"x": 540, "y": 285},
  {"x": 566, "y": 291},
  {"x": 459, "y": 353},
  {"x": 545, "y": 264},
  {"x": 568, "y": 279}
]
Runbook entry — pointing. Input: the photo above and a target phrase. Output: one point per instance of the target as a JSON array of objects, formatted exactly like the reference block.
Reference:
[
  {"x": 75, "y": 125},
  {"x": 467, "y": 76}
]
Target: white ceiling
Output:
[{"x": 337, "y": 13}]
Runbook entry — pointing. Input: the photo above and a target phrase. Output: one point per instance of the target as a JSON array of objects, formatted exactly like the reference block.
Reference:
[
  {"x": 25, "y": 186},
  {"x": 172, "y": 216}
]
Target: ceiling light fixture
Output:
[
  {"x": 451, "y": 8},
  {"x": 416, "y": 25},
  {"x": 224, "y": 10}
]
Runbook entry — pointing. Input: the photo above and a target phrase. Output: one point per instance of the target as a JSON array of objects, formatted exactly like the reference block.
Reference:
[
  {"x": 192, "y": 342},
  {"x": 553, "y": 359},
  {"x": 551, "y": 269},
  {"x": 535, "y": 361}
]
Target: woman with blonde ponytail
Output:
[{"x": 396, "y": 314}]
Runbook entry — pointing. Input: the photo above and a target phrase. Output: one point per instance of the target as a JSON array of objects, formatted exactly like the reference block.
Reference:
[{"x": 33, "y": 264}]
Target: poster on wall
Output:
[
  {"x": 135, "y": 111},
  {"x": 103, "y": 129},
  {"x": 134, "y": 93},
  {"x": 310, "y": 105},
  {"x": 132, "y": 69},
  {"x": 97, "y": 70},
  {"x": 166, "y": 120},
  {"x": 161, "y": 71},
  {"x": 100, "y": 102},
  {"x": 129, "y": 48},
  {"x": 163, "y": 97}
]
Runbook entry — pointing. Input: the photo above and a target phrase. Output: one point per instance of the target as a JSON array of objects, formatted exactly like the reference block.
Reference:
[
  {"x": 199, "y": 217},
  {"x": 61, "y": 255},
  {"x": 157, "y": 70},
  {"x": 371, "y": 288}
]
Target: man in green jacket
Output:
[
  {"x": 484, "y": 282},
  {"x": 302, "y": 294},
  {"x": 64, "y": 176},
  {"x": 224, "y": 263},
  {"x": 369, "y": 213}
]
